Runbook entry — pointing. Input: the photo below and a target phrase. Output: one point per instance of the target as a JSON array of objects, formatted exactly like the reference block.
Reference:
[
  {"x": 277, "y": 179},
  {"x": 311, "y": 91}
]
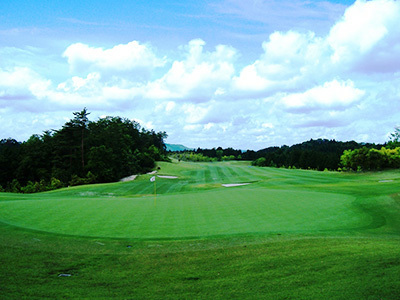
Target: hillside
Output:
[{"x": 176, "y": 147}]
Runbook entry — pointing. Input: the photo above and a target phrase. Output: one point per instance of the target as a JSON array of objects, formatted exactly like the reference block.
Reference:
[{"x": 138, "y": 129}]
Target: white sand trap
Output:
[
  {"x": 151, "y": 173},
  {"x": 129, "y": 178},
  {"x": 385, "y": 180},
  {"x": 168, "y": 177},
  {"x": 234, "y": 184}
]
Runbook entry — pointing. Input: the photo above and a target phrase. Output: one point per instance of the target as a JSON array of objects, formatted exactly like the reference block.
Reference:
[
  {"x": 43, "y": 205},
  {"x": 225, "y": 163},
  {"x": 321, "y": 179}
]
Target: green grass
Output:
[
  {"x": 212, "y": 213},
  {"x": 290, "y": 234}
]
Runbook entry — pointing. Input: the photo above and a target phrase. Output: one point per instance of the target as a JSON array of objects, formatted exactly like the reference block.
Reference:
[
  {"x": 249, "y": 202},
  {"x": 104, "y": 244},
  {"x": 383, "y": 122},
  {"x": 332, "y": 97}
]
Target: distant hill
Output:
[{"x": 177, "y": 147}]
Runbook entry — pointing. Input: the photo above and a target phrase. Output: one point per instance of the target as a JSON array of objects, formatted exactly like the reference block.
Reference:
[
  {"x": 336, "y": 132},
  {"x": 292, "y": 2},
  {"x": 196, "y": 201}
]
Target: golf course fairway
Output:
[{"x": 269, "y": 234}]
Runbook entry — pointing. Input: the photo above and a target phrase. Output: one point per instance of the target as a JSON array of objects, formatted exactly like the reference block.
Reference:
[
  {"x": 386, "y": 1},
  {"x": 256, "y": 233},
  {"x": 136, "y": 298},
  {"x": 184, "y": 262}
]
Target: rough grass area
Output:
[{"x": 291, "y": 234}]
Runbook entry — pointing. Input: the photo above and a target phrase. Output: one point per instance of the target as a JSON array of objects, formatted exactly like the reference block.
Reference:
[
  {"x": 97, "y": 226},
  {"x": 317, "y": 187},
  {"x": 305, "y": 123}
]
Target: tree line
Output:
[
  {"x": 323, "y": 154},
  {"x": 371, "y": 159},
  {"x": 81, "y": 152},
  {"x": 319, "y": 154},
  {"x": 215, "y": 154},
  {"x": 207, "y": 155}
]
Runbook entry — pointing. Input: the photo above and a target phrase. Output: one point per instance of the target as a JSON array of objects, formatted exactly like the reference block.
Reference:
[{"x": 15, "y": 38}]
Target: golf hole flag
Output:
[{"x": 152, "y": 179}]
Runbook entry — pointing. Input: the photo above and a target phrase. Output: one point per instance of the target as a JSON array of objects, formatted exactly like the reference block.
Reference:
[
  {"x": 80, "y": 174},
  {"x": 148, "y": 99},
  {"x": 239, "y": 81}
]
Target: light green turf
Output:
[
  {"x": 210, "y": 213},
  {"x": 196, "y": 205}
]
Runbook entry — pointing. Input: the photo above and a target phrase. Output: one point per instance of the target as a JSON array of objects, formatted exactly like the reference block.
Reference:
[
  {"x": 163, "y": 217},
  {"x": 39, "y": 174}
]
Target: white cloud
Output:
[
  {"x": 76, "y": 83},
  {"x": 21, "y": 84},
  {"x": 267, "y": 125},
  {"x": 250, "y": 80},
  {"x": 166, "y": 107},
  {"x": 287, "y": 54},
  {"x": 194, "y": 113},
  {"x": 198, "y": 77},
  {"x": 367, "y": 37},
  {"x": 289, "y": 59},
  {"x": 120, "y": 58},
  {"x": 331, "y": 95},
  {"x": 209, "y": 126}
]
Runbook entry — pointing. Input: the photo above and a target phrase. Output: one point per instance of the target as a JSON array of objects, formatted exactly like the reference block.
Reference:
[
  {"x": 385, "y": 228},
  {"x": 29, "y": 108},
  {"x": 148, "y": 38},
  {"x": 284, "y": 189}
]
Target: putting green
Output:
[{"x": 238, "y": 210}]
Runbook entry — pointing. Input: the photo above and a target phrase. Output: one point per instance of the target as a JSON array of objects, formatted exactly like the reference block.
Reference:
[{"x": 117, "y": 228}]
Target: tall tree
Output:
[
  {"x": 10, "y": 157},
  {"x": 394, "y": 138},
  {"x": 81, "y": 120}
]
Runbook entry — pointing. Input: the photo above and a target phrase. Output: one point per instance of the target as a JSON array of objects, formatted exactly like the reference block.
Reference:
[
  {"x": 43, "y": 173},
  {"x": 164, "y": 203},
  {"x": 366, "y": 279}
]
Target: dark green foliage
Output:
[
  {"x": 10, "y": 156},
  {"x": 199, "y": 157},
  {"x": 90, "y": 178},
  {"x": 317, "y": 154},
  {"x": 14, "y": 186},
  {"x": 191, "y": 156},
  {"x": 34, "y": 164},
  {"x": 80, "y": 152},
  {"x": 219, "y": 152},
  {"x": 394, "y": 139},
  {"x": 261, "y": 162},
  {"x": 209, "y": 155},
  {"x": 113, "y": 142}
]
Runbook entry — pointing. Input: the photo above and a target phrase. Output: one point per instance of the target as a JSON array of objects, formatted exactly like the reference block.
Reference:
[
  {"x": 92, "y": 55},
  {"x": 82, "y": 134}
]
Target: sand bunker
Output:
[
  {"x": 129, "y": 178},
  {"x": 133, "y": 177},
  {"x": 234, "y": 184}
]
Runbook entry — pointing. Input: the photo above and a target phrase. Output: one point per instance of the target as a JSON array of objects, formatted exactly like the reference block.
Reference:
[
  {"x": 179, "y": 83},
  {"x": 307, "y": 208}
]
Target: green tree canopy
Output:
[{"x": 82, "y": 151}]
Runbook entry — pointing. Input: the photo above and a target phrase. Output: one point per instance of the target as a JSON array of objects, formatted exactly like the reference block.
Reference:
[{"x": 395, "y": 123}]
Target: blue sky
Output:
[{"x": 230, "y": 73}]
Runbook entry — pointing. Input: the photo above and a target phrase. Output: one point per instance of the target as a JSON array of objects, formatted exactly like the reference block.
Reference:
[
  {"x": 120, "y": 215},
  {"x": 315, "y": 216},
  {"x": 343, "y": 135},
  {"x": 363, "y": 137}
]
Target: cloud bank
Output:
[{"x": 342, "y": 85}]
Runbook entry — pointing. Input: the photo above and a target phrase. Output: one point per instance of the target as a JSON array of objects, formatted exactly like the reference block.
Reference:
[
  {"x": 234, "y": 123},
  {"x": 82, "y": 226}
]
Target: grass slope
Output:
[{"x": 290, "y": 234}]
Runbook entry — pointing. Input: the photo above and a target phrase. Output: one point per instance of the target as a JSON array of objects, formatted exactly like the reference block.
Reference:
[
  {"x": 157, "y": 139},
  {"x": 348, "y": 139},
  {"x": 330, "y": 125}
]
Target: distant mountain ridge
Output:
[{"x": 177, "y": 147}]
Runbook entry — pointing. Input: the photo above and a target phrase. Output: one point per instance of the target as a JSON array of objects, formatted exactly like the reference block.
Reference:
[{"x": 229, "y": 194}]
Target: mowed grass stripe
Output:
[
  {"x": 233, "y": 171},
  {"x": 207, "y": 175},
  {"x": 221, "y": 212},
  {"x": 224, "y": 176},
  {"x": 244, "y": 175},
  {"x": 213, "y": 172}
]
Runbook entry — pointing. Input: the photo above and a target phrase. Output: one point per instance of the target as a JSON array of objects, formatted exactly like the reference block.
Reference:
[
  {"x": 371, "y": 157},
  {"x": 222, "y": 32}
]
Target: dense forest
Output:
[
  {"x": 323, "y": 154},
  {"x": 317, "y": 154},
  {"x": 82, "y": 151}
]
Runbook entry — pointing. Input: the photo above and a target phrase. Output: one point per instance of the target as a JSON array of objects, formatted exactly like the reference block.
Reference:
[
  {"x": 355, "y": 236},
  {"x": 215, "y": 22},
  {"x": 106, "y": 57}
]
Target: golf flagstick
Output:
[{"x": 153, "y": 179}]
